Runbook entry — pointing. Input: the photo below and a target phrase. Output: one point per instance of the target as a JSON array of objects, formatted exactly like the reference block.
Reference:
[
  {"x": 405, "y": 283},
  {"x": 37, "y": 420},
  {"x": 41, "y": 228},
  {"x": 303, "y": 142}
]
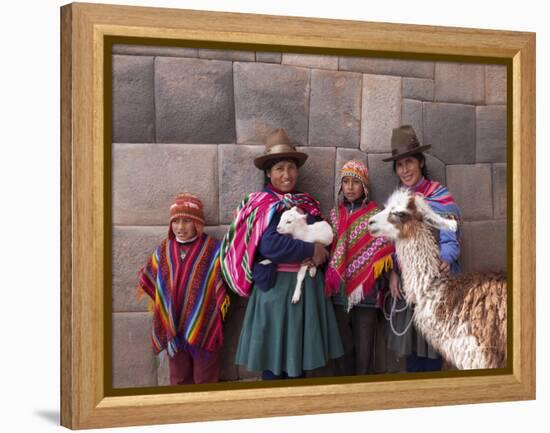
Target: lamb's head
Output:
[
  {"x": 403, "y": 216},
  {"x": 291, "y": 219}
]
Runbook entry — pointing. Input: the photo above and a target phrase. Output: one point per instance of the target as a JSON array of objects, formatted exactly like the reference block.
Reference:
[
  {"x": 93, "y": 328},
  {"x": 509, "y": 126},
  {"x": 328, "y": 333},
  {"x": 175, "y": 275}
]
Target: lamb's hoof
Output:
[
  {"x": 295, "y": 299},
  {"x": 312, "y": 272}
]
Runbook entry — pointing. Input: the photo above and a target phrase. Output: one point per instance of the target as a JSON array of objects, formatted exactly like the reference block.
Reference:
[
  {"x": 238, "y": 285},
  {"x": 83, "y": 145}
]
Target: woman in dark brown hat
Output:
[
  {"x": 409, "y": 164},
  {"x": 278, "y": 338}
]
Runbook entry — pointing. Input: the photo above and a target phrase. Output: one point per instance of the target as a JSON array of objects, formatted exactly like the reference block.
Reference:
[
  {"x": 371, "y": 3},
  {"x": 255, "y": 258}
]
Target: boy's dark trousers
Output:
[{"x": 195, "y": 366}]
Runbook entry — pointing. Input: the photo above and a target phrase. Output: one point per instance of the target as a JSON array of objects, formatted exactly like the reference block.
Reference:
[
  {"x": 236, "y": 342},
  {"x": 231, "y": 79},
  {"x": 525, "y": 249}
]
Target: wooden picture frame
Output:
[{"x": 84, "y": 216}]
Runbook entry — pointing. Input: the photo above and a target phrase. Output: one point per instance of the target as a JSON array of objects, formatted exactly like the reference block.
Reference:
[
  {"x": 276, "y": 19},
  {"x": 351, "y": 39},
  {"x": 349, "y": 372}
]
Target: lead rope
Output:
[{"x": 389, "y": 317}]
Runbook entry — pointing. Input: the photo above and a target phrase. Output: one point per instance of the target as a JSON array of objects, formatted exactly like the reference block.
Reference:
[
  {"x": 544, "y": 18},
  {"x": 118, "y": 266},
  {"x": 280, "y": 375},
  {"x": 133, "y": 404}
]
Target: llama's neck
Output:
[{"x": 419, "y": 262}]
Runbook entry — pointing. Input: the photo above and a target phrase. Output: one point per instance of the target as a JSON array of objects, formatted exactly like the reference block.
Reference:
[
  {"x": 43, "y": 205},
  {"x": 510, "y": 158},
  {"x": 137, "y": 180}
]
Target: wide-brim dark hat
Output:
[
  {"x": 278, "y": 145},
  {"x": 404, "y": 142}
]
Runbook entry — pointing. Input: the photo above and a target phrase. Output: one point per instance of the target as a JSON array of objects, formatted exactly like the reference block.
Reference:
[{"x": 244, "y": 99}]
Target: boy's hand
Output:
[{"x": 395, "y": 285}]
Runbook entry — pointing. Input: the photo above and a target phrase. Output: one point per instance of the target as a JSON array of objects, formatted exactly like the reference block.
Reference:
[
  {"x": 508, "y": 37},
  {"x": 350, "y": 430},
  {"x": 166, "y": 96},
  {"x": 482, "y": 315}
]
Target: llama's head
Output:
[
  {"x": 405, "y": 213},
  {"x": 290, "y": 219}
]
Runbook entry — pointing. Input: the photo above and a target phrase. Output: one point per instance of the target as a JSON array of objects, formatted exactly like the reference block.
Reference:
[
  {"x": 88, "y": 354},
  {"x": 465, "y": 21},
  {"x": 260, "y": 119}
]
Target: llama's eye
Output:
[{"x": 399, "y": 214}]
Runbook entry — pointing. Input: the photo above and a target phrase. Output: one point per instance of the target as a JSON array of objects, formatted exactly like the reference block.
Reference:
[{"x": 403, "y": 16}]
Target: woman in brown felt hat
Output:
[
  {"x": 278, "y": 338},
  {"x": 409, "y": 164}
]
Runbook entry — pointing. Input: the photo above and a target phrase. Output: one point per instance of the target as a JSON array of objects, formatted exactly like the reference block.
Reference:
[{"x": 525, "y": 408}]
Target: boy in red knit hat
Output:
[{"x": 188, "y": 298}]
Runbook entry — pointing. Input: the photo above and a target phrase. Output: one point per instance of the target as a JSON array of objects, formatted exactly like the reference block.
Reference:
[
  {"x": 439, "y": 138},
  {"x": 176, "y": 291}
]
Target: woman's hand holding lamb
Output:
[{"x": 320, "y": 254}]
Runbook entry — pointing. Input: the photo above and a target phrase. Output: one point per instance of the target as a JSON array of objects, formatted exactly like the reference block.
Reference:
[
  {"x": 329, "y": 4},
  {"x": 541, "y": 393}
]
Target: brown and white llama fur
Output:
[{"x": 463, "y": 316}]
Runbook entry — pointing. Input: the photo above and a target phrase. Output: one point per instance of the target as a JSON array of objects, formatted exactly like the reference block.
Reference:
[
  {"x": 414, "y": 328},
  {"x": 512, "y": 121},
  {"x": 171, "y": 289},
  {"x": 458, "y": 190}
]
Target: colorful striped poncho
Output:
[
  {"x": 357, "y": 258},
  {"x": 188, "y": 297},
  {"x": 240, "y": 243}
]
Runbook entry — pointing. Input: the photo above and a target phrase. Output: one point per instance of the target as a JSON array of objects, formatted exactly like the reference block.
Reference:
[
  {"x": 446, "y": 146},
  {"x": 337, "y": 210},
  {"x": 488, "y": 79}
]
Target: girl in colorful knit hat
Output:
[
  {"x": 188, "y": 298},
  {"x": 356, "y": 268}
]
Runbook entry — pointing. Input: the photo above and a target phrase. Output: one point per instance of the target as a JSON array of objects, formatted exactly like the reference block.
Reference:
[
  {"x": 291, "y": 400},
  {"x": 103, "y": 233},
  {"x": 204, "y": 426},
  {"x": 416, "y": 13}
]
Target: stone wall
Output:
[{"x": 194, "y": 119}]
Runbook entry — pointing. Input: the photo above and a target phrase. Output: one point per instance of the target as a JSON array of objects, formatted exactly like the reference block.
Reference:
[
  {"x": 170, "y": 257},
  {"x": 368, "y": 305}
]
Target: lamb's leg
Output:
[{"x": 298, "y": 290}]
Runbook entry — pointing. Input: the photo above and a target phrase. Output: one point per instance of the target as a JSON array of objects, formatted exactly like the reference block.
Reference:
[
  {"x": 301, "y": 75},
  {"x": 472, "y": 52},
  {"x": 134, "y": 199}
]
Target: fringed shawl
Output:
[
  {"x": 240, "y": 243},
  {"x": 438, "y": 197},
  {"x": 357, "y": 258},
  {"x": 189, "y": 299}
]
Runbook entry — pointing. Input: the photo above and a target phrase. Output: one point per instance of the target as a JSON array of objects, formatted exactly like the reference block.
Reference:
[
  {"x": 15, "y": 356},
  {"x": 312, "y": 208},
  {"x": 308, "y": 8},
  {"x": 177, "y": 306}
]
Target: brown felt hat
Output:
[
  {"x": 404, "y": 142},
  {"x": 278, "y": 145}
]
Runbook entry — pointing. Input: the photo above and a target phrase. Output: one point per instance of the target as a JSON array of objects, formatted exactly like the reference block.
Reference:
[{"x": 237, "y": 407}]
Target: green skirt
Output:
[{"x": 283, "y": 337}]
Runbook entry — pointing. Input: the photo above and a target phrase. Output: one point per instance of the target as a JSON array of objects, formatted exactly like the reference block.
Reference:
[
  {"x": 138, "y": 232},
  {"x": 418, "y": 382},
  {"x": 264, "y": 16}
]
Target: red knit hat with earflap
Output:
[{"x": 187, "y": 205}]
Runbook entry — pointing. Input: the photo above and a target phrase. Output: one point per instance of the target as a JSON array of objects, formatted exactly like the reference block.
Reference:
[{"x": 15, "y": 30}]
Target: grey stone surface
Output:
[
  {"x": 217, "y": 232},
  {"x": 194, "y": 101},
  {"x": 133, "y": 99},
  {"x": 471, "y": 187},
  {"x": 269, "y": 96},
  {"x": 148, "y": 50},
  {"x": 436, "y": 169},
  {"x": 335, "y": 109},
  {"x": 344, "y": 155},
  {"x": 495, "y": 84},
  {"x": 238, "y": 177},
  {"x": 133, "y": 357},
  {"x": 163, "y": 370},
  {"x": 412, "y": 114},
  {"x": 491, "y": 133},
  {"x": 231, "y": 333},
  {"x": 450, "y": 129},
  {"x": 381, "y": 111},
  {"x": 403, "y": 68},
  {"x": 268, "y": 57},
  {"x": 233, "y": 55},
  {"x": 460, "y": 82},
  {"x": 316, "y": 176},
  {"x": 383, "y": 181},
  {"x": 311, "y": 60},
  {"x": 132, "y": 247},
  {"x": 418, "y": 88},
  {"x": 147, "y": 177},
  {"x": 484, "y": 246},
  {"x": 500, "y": 190}
]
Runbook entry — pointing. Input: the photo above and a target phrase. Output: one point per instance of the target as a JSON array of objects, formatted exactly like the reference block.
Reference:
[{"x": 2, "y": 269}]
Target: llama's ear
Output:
[{"x": 430, "y": 217}]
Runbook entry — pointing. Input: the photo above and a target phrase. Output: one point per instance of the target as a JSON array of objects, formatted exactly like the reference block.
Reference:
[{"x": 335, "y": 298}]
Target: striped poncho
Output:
[
  {"x": 438, "y": 197},
  {"x": 357, "y": 258},
  {"x": 188, "y": 297},
  {"x": 240, "y": 243}
]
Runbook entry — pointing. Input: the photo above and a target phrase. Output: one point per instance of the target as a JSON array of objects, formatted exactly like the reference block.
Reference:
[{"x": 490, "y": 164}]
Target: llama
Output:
[
  {"x": 295, "y": 224},
  {"x": 462, "y": 316}
]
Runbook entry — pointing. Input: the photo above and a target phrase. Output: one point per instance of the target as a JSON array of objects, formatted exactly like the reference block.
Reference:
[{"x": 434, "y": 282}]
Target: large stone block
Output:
[
  {"x": 238, "y": 177},
  {"x": 342, "y": 156},
  {"x": 418, "y": 88},
  {"x": 436, "y": 169},
  {"x": 132, "y": 247},
  {"x": 471, "y": 187},
  {"x": 459, "y": 82},
  {"x": 402, "y": 68},
  {"x": 217, "y": 232},
  {"x": 231, "y": 333},
  {"x": 133, "y": 356},
  {"x": 317, "y": 175},
  {"x": 484, "y": 246},
  {"x": 381, "y": 111},
  {"x": 148, "y": 50},
  {"x": 383, "y": 181},
  {"x": 269, "y": 96},
  {"x": 500, "y": 190},
  {"x": 491, "y": 133},
  {"x": 163, "y": 369},
  {"x": 311, "y": 61},
  {"x": 194, "y": 101},
  {"x": 495, "y": 84},
  {"x": 335, "y": 109},
  {"x": 411, "y": 114},
  {"x": 451, "y": 130},
  {"x": 133, "y": 99},
  {"x": 233, "y": 55},
  {"x": 268, "y": 57},
  {"x": 147, "y": 177}
]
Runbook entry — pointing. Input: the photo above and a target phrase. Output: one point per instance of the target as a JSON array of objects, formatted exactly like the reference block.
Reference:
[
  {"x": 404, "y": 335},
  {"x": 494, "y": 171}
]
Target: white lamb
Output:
[{"x": 295, "y": 224}]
